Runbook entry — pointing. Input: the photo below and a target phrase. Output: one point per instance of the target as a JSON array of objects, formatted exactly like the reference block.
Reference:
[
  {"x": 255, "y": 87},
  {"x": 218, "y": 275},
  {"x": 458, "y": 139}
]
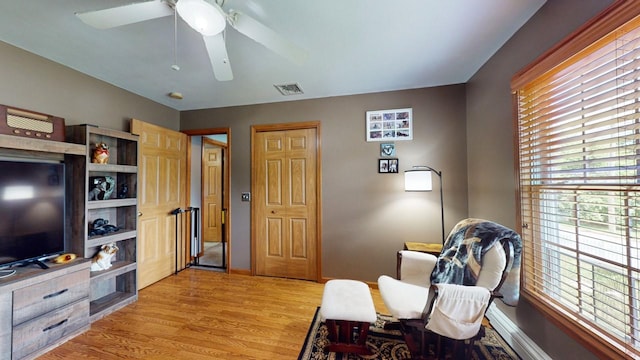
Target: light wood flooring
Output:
[{"x": 200, "y": 314}]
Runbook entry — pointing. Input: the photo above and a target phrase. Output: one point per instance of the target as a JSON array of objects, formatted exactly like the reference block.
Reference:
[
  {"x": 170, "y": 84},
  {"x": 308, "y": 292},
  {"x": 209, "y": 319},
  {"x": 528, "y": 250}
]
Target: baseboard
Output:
[{"x": 519, "y": 341}]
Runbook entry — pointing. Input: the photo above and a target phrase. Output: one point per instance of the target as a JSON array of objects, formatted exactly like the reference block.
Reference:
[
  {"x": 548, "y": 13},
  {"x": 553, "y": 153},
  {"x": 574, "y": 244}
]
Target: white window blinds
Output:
[{"x": 579, "y": 148}]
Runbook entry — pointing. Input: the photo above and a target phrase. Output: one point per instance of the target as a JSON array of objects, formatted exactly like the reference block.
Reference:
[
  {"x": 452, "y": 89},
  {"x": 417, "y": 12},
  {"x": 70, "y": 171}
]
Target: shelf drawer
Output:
[
  {"x": 45, "y": 330},
  {"x": 35, "y": 300}
]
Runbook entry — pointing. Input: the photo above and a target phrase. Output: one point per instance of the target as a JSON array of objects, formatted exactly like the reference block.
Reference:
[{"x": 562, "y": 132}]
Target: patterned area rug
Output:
[{"x": 390, "y": 345}]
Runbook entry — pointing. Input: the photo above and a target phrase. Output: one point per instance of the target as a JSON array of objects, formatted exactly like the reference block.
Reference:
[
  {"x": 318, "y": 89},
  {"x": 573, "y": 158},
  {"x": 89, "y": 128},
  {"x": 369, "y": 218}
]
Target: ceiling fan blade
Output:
[
  {"x": 255, "y": 30},
  {"x": 126, "y": 14},
  {"x": 218, "y": 56}
]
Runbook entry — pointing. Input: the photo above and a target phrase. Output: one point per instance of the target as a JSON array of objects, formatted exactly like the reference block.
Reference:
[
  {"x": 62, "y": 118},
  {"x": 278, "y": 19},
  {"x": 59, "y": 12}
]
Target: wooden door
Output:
[
  {"x": 286, "y": 203},
  {"x": 162, "y": 168},
  {"x": 211, "y": 191}
]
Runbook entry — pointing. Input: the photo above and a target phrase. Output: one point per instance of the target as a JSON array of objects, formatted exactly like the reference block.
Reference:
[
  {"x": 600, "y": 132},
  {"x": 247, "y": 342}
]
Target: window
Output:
[{"x": 578, "y": 133}]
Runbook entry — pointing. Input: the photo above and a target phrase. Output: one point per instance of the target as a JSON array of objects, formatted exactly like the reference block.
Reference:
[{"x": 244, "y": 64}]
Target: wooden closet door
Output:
[{"x": 285, "y": 201}]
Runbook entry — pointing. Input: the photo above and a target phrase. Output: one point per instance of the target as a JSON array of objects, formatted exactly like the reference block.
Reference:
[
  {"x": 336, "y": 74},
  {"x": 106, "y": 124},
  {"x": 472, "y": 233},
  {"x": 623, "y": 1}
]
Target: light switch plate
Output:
[{"x": 246, "y": 196}]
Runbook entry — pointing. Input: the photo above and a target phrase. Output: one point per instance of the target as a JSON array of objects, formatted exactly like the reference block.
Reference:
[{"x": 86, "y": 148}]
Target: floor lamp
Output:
[{"x": 419, "y": 179}]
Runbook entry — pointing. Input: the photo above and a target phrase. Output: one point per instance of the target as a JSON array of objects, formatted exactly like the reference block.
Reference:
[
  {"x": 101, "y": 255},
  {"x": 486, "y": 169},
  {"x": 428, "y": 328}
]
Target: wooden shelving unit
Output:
[{"x": 115, "y": 287}]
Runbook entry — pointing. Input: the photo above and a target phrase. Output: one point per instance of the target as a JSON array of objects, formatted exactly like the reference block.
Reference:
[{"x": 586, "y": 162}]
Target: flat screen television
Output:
[{"x": 32, "y": 211}]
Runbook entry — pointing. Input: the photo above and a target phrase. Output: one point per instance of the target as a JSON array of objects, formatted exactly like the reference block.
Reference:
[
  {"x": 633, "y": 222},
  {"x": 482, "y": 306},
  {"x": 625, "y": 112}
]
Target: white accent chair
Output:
[{"x": 447, "y": 310}]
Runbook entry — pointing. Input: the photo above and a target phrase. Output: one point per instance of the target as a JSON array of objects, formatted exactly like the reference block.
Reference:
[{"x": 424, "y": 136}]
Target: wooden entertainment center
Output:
[
  {"x": 42, "y": 308},
  {"x": 39, "y": 309}
]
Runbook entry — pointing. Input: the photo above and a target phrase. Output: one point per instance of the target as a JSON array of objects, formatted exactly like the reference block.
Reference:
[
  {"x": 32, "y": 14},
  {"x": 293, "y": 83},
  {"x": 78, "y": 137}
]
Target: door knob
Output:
[{"x": 139, "y": 213}]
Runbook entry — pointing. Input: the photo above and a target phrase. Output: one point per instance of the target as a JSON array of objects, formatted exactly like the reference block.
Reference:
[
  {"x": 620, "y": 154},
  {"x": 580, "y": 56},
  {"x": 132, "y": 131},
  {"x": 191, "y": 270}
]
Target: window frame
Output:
[{"x": 617, "y": 14}]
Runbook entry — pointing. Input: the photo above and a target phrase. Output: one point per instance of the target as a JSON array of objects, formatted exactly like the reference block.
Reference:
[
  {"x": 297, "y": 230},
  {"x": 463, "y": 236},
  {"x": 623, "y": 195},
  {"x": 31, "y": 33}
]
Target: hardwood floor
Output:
[{"x": 200, "y": 314}]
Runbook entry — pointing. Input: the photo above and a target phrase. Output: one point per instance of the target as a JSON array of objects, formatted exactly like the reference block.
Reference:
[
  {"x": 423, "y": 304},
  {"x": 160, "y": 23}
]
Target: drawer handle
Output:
[
  {"x": 54, "y": 325},
  {"x": 55, "y": 294}
]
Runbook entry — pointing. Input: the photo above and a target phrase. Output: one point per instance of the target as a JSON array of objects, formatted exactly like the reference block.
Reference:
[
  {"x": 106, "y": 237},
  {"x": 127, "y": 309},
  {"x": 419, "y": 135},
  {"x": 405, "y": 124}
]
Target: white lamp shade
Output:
[
  {"x": 203, "y": 17},
  {"x": 417, "y": 180}
]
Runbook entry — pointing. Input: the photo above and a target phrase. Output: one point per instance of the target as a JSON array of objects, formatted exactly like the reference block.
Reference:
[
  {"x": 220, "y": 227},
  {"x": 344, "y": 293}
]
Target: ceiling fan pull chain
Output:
[{"x": 175, "y": 65}]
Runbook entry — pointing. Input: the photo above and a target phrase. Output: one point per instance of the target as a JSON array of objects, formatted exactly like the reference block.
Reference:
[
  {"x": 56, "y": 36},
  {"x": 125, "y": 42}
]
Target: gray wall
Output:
[
  {"x": 366, "y": 216},
  {"x": 464, "y": 131},
  {"x": 490, "y": 142},
  {"x": 34, "y": 83}
]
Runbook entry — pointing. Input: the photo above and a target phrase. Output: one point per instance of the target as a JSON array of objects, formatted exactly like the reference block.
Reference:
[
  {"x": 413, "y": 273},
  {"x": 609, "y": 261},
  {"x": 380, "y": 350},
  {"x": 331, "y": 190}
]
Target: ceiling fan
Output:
[{"x": 207, "y": 18}]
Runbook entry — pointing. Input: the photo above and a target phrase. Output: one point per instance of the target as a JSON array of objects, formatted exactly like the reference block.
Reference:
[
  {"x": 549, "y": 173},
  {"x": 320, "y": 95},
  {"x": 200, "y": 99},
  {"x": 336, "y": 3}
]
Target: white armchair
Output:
[{"x": 455, "y": 310}]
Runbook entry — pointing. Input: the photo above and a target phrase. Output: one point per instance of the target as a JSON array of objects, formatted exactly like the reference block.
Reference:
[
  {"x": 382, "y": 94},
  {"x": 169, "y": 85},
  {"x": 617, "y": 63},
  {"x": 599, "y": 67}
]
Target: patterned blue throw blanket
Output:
[{"x": 461, "y": 257}]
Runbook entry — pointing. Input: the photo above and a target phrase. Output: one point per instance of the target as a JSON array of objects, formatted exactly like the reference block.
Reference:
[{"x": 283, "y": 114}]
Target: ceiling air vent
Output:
[{"x": 289, "y": 89}]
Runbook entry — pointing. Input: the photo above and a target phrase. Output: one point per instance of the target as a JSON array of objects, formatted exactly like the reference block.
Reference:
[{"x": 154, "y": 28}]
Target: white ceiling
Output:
[{"x": 354, "y": 46}]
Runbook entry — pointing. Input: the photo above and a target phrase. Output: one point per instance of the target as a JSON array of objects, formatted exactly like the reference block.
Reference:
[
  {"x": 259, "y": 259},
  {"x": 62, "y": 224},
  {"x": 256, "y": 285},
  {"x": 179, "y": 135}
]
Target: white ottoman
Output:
[{"x": 347, "y": 308}]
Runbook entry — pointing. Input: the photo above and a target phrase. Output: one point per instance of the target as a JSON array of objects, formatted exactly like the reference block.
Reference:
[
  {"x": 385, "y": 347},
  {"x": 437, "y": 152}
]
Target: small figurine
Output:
[
  {"x": 124, "y": 190},
  {"x": 101, "y": 227},
  {"x": 100, "y": 153},
  {"x": 102, "y": 187}
]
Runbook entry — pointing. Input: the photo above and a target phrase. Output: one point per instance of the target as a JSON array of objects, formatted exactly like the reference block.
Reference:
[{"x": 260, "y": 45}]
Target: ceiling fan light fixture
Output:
[{"x": 202, "y": 16}]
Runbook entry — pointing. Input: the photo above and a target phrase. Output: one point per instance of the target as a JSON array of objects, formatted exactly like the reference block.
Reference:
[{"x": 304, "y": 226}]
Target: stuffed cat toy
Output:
[
  {"x": 100, "y": 153},
  {"x": 102, "y": 260}
]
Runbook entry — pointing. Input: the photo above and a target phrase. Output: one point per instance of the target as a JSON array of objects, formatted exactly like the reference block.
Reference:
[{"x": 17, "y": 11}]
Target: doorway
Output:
[
  {"x": 209, "y": 171},
  {"x": 286, "y": 206}
]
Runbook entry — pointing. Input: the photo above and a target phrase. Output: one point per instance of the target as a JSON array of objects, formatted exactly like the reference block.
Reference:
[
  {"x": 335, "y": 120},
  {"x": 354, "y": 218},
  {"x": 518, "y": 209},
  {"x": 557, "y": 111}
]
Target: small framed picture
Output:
[
  {"x": 387, "y": 150},
  {"x": 388, "y": 166}
]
